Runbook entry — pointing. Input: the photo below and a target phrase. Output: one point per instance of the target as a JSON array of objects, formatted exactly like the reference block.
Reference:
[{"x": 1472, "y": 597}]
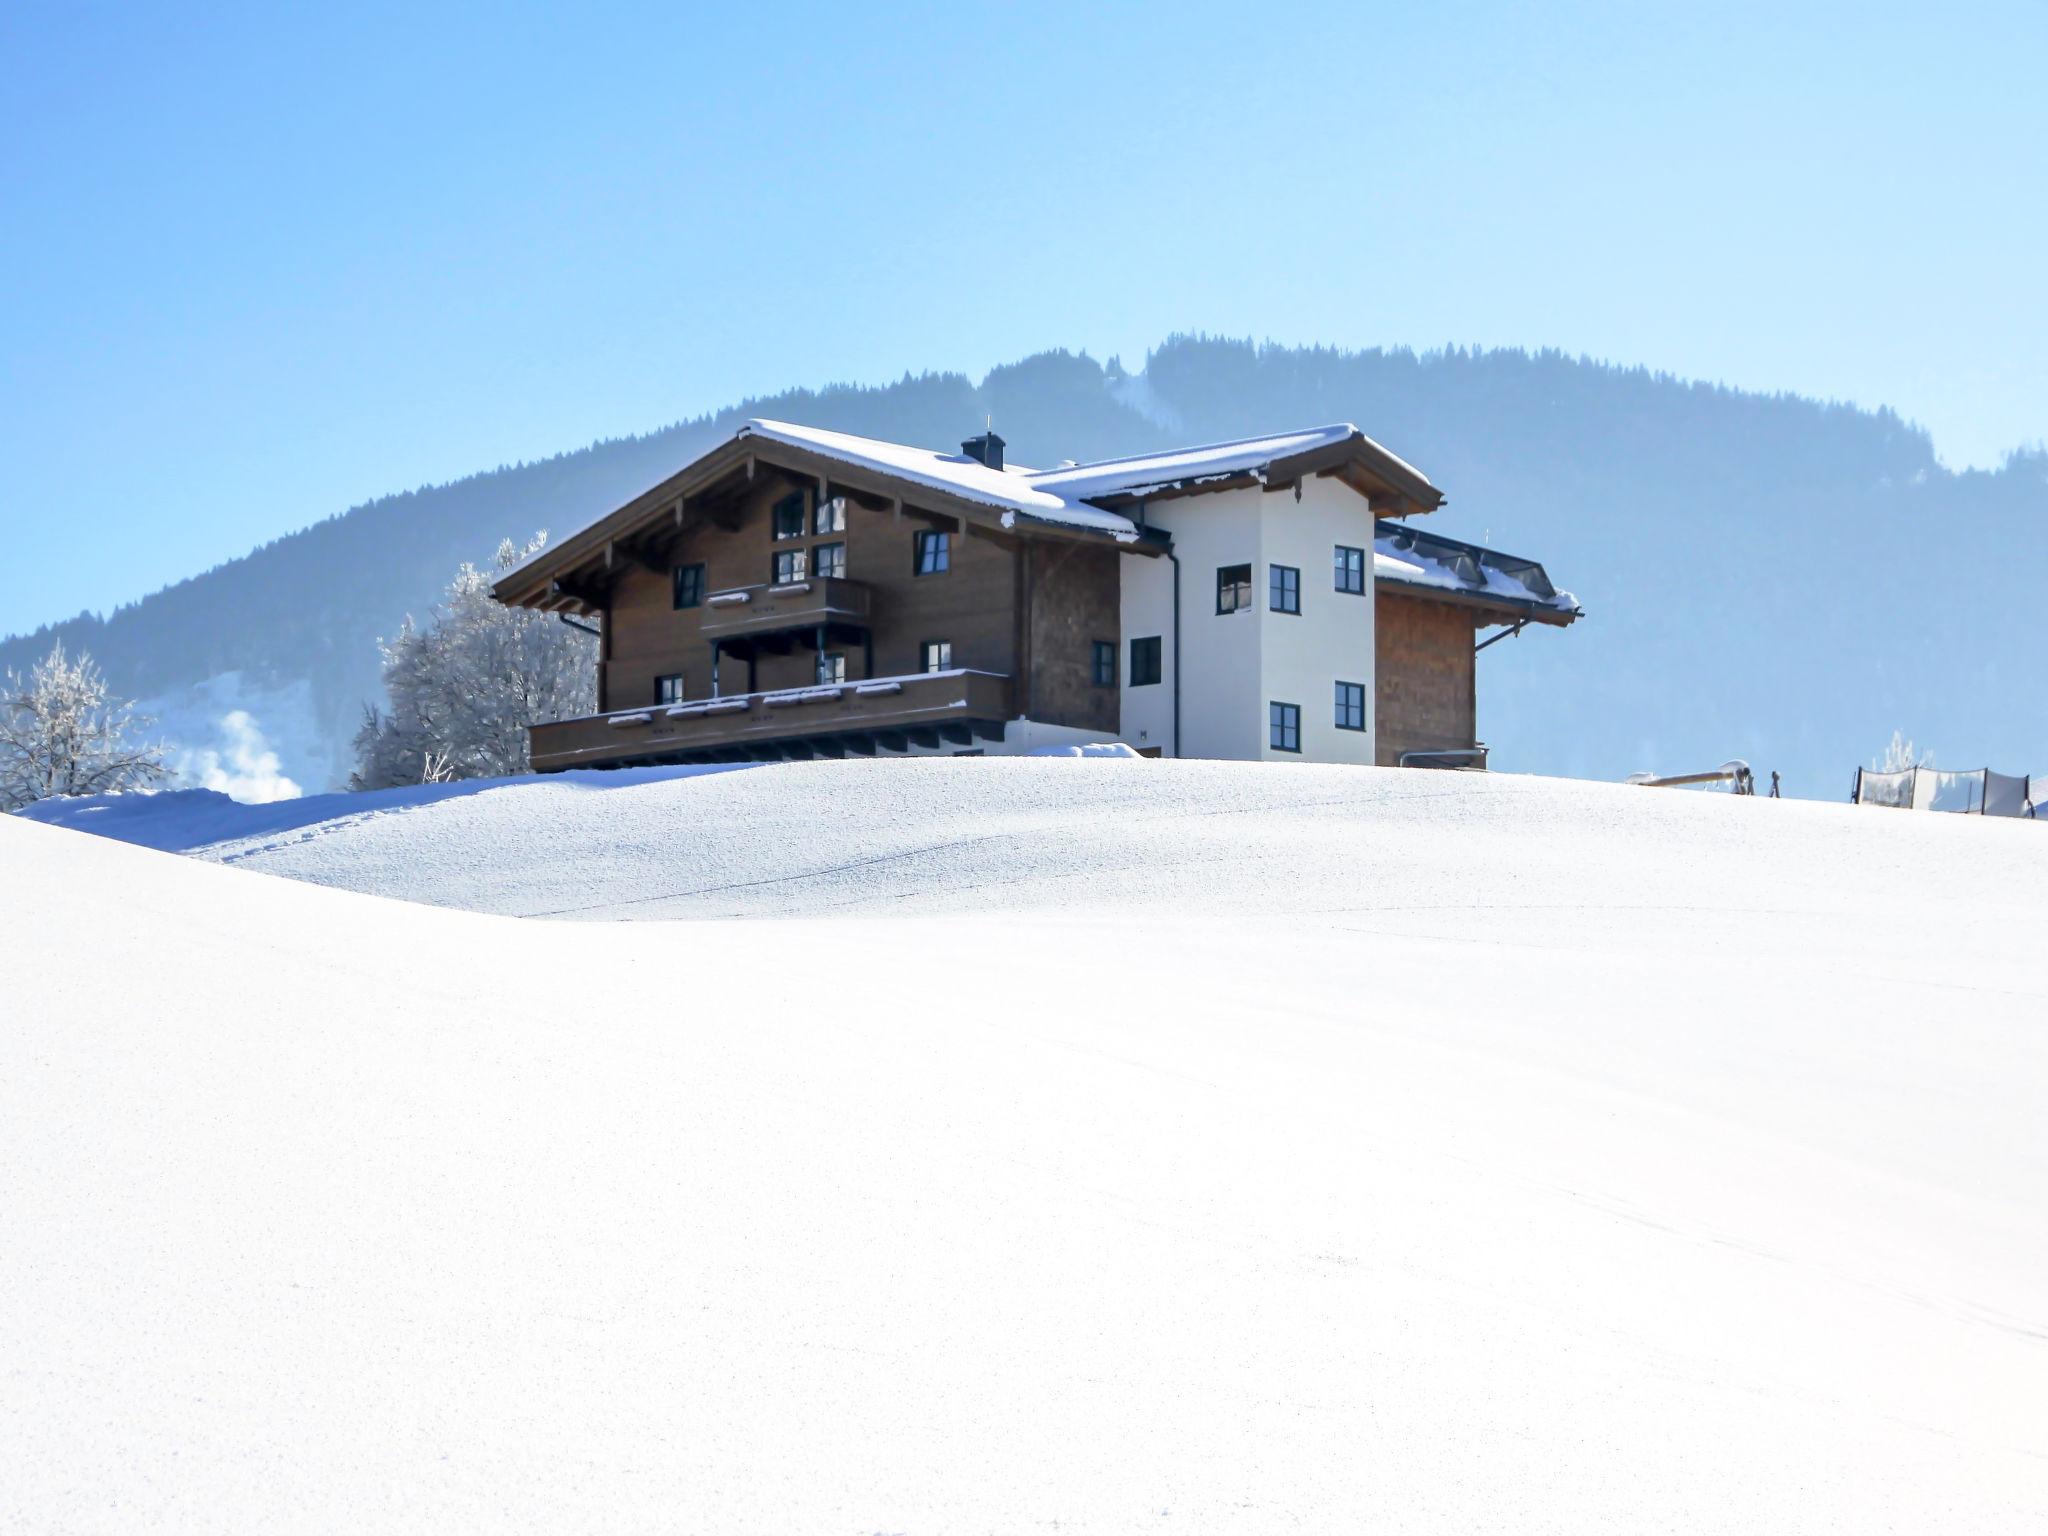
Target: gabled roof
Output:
[
  {"x": 1014, "y": 491},
  {"x": 1273, "y": 460},
  {"x": 1074, "y": 501},
  {"x": 1452, "y": 570}
]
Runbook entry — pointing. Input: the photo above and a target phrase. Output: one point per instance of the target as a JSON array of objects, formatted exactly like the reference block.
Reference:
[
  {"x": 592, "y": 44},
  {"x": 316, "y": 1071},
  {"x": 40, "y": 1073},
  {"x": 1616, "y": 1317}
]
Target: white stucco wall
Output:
[
  {"x": 1233, "y": 665},
  {"x": 1220, "y": 712},
  {"x": 1303, "y": 657},
  {"x": 1147, "y": 609}
]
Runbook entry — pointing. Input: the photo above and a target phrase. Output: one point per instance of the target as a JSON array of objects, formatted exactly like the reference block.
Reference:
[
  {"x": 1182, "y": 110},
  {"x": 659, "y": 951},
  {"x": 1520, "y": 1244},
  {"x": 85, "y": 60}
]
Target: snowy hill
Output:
[{"x": 1009, "y": 1145}]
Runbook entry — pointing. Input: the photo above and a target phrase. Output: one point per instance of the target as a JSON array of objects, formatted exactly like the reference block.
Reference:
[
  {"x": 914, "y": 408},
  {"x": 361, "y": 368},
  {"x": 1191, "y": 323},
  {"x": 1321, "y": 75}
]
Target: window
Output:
[
  {"x": 934, "y": 552},
  {"x": 689, "y": 586},
  {"x": 828, "y": 560},
  {"x": 1102, "y": 663},
  {"x": 1350, "y": 569},
  {"x": 1233, "y": 588},
  {"x": 935, "y": 656},
  {"x": 1144, "y": 661},
  {"x": 1283, "y": 724},
  {"x": 791, "y": 565},
  {"x": 669, "y": 690},
  {"x": 1283, "y": 588},
  {"x": 1351, "y": 706},
  {"x": 831, "y": 516},
  {"x": 789, "y": 516},
  {"x": 832, "y": 666}
]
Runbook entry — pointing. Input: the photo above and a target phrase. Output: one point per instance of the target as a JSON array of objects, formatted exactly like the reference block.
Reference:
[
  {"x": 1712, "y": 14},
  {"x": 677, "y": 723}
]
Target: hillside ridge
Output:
[{"x": 1731, "y": 545}]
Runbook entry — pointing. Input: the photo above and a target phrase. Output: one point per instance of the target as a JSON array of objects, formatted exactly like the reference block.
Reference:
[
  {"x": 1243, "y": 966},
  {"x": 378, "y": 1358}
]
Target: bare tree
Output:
[
  {"x": 465, "y": 687},
  {"x": 60, "y": 734}
]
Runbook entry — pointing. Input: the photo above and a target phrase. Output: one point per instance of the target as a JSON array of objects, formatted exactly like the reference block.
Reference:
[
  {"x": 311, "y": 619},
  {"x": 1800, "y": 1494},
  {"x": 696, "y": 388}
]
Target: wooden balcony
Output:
[
  {"x": 892, "y": 714},
  {"x": 745, "y": 613}
]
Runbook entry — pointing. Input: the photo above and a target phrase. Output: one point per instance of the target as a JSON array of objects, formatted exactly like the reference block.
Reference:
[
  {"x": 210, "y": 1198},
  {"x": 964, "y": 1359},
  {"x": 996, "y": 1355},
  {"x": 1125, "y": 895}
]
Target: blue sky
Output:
[{"x": 260, "y": 266}]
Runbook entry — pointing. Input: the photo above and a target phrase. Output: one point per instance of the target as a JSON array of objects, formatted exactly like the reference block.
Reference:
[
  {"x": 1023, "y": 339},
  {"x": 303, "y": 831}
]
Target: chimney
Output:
[{"x": 988, "y": 448}]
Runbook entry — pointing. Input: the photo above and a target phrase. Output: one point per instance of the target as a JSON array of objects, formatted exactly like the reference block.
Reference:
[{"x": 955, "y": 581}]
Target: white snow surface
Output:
[{"x": 1087, "y": 1144}]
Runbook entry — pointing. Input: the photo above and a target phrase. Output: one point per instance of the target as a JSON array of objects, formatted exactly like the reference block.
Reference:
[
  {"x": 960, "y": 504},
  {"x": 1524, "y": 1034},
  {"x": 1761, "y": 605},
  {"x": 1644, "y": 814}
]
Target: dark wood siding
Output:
[
  {"x": 1074, "y": 600},
  {"x": 972, "y": 604},
  {"x": 1425, "y": 687}
]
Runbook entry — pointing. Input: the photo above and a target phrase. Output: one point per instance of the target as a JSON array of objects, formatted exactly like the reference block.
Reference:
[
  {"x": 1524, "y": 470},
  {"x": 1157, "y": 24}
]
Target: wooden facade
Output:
[
  {"x": 718, "y": 593},
  {"x": 1426, "y": 690},
  {"x": 796, "y": 596}
]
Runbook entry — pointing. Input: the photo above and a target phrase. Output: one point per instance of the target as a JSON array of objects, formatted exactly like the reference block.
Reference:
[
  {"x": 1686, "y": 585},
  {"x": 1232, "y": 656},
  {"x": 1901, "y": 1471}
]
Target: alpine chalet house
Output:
[{"x": 797, "y": 593}]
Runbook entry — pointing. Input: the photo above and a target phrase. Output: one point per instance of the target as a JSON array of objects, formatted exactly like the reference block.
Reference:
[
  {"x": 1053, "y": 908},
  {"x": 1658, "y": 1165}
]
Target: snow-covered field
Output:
[{"x": 1083, "y": 1145}]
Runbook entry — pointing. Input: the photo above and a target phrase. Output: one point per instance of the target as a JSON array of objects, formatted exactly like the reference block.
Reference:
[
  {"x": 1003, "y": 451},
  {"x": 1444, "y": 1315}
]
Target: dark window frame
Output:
[
  {"x": 1150, "y": 659},
  {"x": 1347, "y": 568},
  {"x": 803, "y": 518},
  {"x": 1238, "y": 587},
  {"x": 1283, "y": 581},
  {"x": 1279, "y": 725},
  {"x": 1342, "y": 706},
  {"x": 829, "y": 516},
  {"x": 924, "y": 655},
  {"x": 1102, "y": 663},
  {"x": 837, "y": 547},
  {"x": 799, "y": 560},
  {"x": 931, "y": 552},
  {"x": 686, "y": 586},
  {"x": 661, "y": 691},
  {"x": 818, "y": 676}
]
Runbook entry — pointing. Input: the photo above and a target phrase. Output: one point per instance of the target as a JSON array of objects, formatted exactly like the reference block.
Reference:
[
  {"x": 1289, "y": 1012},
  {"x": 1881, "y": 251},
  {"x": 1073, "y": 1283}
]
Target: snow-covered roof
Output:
[
  {"x": 1070, "y": 496},
  {"x": 1182, "y": 466},
  {"x": 1011, "y": 492},
  {"x": 1407, "y": 557}
]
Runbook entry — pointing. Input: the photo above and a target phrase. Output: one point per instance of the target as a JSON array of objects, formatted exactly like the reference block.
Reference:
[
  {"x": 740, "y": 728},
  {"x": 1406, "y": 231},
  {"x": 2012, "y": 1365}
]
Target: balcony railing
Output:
[
  {"x": 927, "y": 709},
  {"x": 743, "y": 612}
]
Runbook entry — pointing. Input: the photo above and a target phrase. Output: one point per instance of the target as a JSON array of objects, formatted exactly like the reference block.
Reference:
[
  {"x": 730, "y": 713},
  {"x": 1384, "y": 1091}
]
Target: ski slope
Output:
[{"x": 1027, "y": 1145}]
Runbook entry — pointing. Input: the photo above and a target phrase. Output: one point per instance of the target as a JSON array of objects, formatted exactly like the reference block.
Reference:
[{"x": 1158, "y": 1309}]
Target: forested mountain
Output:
[{"x": 1763, "y": 576}]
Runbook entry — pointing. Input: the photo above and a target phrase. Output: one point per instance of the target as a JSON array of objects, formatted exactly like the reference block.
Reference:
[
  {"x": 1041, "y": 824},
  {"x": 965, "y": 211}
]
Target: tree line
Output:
[{"x": 462, "y": 688}]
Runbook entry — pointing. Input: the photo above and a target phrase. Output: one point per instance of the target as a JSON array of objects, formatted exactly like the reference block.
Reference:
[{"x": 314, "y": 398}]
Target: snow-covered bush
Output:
[
  {"x": 60, "y": 734},
  {"x": 465, "y": 687}
]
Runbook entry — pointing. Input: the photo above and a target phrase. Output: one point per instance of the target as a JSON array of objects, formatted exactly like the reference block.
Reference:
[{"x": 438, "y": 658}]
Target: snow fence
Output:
[{"x": 1978, "y": 791}]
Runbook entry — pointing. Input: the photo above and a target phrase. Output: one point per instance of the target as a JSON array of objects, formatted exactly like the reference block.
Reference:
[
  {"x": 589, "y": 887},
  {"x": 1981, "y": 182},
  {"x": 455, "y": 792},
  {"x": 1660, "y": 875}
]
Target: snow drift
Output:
[{"x": 1106, "y": 1144}]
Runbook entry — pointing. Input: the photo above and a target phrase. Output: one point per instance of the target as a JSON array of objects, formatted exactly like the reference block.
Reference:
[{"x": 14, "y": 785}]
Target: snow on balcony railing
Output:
[
  {"x": 782, "y": 698},
  {"x": 787, "y": 697}
]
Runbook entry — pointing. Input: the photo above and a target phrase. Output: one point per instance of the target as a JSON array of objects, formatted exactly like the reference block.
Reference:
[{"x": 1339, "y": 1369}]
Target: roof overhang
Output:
[
  {"x": 573, "y": 576},
  {"x": 1486, "y": 608},
  {"x": 1390, "y": 485}
]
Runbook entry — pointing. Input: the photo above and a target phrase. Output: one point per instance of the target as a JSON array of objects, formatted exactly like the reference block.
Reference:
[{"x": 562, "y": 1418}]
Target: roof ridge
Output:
[{"x": 1347, "y": 427}]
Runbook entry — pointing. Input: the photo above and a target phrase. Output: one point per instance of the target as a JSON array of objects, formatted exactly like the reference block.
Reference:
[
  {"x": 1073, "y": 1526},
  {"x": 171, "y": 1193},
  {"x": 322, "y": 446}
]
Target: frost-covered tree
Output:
[
  {"x": 60, "y": 734},
  {"x": 1901, "y": 755},
  {"x": 465, "y": 686}
]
